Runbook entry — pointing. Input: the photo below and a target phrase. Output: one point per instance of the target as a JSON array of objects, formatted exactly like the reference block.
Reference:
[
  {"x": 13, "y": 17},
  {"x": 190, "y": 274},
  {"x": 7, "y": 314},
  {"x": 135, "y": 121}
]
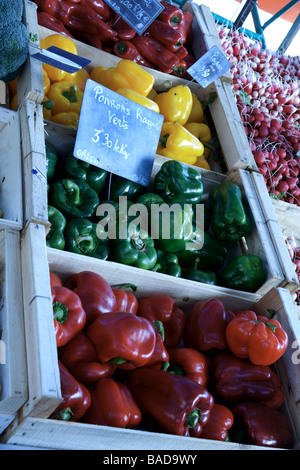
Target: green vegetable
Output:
[
  {"x": 178, "y": 183},
  {"x": 172, "y": 227},
  {"x": 210, "y": 257},
  {"x": 167, "y": 263},
  {"x": 229, "y": 221},
  {"x": 14, "y": 39},
  {"x": 82, "y": 237},
  {"x": 79, "y": 170},
  {"x": 245, "y": 273},
  {"x": 74, "y": 198},
  {"x": 55, "y": 236},
  {"x": 194, "y": 274},
  {"x": 51, "y": 161},
  {"x": 123, "y": 187},
  {"x": 136, "y": 250}
]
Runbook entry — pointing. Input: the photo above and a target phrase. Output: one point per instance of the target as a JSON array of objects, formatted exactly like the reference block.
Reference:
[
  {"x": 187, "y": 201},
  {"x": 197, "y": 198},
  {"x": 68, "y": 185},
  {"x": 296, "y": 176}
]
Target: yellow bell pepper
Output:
[
  {"x": 202, "y": 163},
  {"x": 46, "y": 82},
  {"x": 197, "y": 114},
  {"x": 137, "y": 98},
  {"x": 199, "y": 130},
  {"x": 129, "y": 74},
  {"x": 47, "y": 108},
  {"x": 66, "y": 96},
  {"x": 178, "y": 143},
  {"x": 67, "y": 119},
  {"x": 78, "y": 78},
  {"x": 63, "y": 42},
  {"x": 98, "y": 74},
  {"x": 175, "y": 104}
]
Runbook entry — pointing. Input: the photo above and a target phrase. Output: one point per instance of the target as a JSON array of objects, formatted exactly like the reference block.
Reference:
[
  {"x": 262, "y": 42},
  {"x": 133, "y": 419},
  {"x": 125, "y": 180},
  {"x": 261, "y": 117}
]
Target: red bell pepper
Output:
[
  {"x": 180, "y": 70},
  {"x": 258, "y": 338},
  {"x": 123, "y": 339},
  {"x": 79, "y": 17},
  {"x": 126, "y": 301},
  {"x": 160, "y": 355},
  {"x": 127, "y": 50},
  {"x": 156, "y": 53},
  {"x": 80, "y": 358},
  {"x": 239, "y": 380},
  {"x": 48, "y": 21},
  {"x": 76, "y": 398},
  {"x": 185, "y": 27},
  {"x": 166, "y": 34},
  {"x": 112, "y": 404},
  {"x": 264, "y": 426},
  {"x": 55, "y": 280},
  {"x": 95, "y": 293},
  {"x": 177, "y": 404},
  {"x": 164, "y": 308},
  {"x": 171, "y": 14},
  {"x": 206, "y": 325},
  {"x": 91, "y": 39},
  {"x": 220, "y": 421},
  {"x": 68, "y": 313},
  {"x": 98, "y": 6},
  {"x": 125, "y": 32},
  {"x": 191, "y": 364}
]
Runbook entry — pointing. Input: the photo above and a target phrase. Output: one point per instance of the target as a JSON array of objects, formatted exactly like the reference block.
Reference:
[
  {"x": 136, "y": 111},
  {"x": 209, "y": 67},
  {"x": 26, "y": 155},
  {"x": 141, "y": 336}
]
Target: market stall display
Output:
[{"x": 134, "y": 324}]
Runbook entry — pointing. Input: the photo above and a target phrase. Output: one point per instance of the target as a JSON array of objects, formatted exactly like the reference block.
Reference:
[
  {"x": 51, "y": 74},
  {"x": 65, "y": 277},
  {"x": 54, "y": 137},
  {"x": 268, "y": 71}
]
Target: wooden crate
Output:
[
  {"x": 34, "y": 163},
  {"x": 282, "y": 219},
  {"x": 205, "y": 32},
  {"x": 235, "y": 147},
  {"x": 32, "y": 428},
  {"x": 10, "y": 170},
  {"x": 13, "y": 373},
  {"x": 30, "y": 81},
  {"x": 258, "y": 242}
]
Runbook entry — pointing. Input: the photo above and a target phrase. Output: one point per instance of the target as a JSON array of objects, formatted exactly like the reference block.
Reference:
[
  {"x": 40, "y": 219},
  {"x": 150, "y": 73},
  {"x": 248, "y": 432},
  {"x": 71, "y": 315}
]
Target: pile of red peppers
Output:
[
  {"x": 165, "y": 45},
  {"x": 131, "y": 362}
]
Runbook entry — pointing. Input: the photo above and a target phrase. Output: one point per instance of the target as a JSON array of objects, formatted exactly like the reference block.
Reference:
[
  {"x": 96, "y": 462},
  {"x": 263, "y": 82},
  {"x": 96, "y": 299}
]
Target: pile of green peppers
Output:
[{"x": 76, "y": 189}]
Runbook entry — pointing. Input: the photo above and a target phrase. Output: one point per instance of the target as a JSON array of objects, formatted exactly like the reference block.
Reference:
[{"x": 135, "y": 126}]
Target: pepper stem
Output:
[
  {"x": 193, "y": 418},
  {"x": 71, "y": 94},
  {"x": 60, "y": 312},
  {"x": 117, "y": 360},
  {"x": 73, "y": 192},
  {"x": 163, "y": 140},
  {"x": 85, "y": 243},
  {"x": 159, "y": 328},
  {"x": 64, "y": 415},
  {"x": 138, "y": 244},
  {"x": 270, "y": 325}
]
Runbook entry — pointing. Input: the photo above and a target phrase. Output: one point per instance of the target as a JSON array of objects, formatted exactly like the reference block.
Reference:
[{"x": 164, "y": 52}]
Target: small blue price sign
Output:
[
  {"x": 212, "y": 65},
  {"x": 117, "y": 134}
]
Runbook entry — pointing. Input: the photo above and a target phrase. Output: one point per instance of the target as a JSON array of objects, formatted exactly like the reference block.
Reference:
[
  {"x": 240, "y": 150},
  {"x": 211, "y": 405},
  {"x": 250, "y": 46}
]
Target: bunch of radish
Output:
[{"x": 266, "y": 86}]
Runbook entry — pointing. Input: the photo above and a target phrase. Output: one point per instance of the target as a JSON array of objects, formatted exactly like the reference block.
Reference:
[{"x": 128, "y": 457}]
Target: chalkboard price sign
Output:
[
  {"x": 139, "y": 15},
  {"x": 117, "y": 134},
  {"x": 212, "y": 65}
]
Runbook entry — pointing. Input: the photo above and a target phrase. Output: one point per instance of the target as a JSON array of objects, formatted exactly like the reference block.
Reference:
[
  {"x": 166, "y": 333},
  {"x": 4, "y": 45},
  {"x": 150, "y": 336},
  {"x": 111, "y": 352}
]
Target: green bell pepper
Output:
[
  {"x": 194, "y": 274},
  {"x": 136, "y": 250},
  {"x": 167, "y": 263},
  {"x": 123, "y": 187},
  {"x": 172, "y": 226},
  {"x": 211, "y": 256},
  {"x": 74, "y": 198},
  {"x": 79, "y": 170},
  {"x": 178, "y": 183},
  {"x": 55, "y": 236},
  {"x": 51, "y": 161},
  {"x": 82, "y": 237},
  {"x": 244, "y": 272},
  {"x": 229, "y": 221},
  {"x": 149, "y": 200}
]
